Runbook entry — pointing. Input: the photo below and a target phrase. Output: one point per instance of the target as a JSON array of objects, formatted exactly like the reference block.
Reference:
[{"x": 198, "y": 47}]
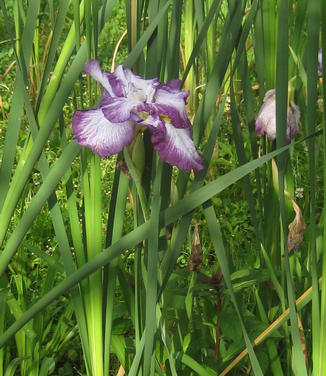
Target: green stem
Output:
[{"x": 137, "y": 180}]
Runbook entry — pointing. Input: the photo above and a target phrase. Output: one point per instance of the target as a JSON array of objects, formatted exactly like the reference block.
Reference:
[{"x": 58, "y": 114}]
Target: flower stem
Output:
[{"x": 137, "y": 180}]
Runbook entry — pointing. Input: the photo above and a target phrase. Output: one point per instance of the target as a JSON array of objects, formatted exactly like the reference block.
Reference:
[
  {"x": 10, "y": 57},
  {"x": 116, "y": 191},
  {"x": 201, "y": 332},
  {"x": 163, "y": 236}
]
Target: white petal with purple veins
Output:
[
  {"x": 173, "y": 105},
  {"x": 139, "y": 88},
  {"x": 117, "y": 109},
  {"x": 94, "y": 70},
  {"x": 92, "y": 129},
  {"x": 176, "y": 147},
  {"x": 136, "y": 88}
]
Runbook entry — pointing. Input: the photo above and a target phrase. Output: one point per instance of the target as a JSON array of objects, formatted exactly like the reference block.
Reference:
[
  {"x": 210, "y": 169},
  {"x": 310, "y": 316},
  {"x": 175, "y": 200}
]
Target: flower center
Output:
[
  {"x": 135, "y": 94},
  {"x": 139, "y": 94}
]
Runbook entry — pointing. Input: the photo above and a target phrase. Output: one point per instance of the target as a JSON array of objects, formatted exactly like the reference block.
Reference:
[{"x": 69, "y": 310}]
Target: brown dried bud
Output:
[
  {"x": 296, "y": 228},
  {"x": 195, "y": 260}
]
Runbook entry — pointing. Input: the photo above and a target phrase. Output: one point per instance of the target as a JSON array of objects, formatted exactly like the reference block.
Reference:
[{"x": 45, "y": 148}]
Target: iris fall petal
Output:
[
  {"x": 117, "y": 109},
  {"x": 92, "y": 129},
  {"x": 176, "y": 147},
  {"x": 172, "y": 103}
]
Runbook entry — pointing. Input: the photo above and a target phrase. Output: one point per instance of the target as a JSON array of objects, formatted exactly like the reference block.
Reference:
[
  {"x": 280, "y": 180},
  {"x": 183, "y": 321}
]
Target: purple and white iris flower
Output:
[
  {"x": 266, "y": 119},
  {"x": 129, "y": 100}
]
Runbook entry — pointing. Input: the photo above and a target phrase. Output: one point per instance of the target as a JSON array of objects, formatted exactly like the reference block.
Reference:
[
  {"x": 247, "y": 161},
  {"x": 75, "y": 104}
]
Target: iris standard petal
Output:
[
  {"x": 266, "y": 119},
  {"x": 176, "y": 147},
  {"x": 136, "y": 88},
  {"x": 173, "y": 85},
  {"x": 92, "y": 129},
  {"x": 293, "y": 118},
  {"x": 172, "y": 104},
  {"x": 139, "y": 88},
  {"x": 117, "y": 109},
  {"x": 93, "y": 68}
]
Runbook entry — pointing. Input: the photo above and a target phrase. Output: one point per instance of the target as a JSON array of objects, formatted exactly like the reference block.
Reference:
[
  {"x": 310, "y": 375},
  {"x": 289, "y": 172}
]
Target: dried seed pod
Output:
[
  {"x": 195, "y": 260},
  {"x": 296, "y": 228}
]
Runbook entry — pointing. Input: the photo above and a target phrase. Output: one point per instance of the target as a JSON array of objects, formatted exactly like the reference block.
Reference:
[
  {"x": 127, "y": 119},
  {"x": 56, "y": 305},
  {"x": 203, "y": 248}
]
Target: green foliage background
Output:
[{"x": 138, "y": 302}]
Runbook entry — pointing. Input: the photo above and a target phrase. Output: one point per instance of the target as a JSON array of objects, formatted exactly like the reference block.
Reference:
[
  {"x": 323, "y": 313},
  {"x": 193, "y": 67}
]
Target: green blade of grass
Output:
[
  {"x": 136, "y": 361},
  {"x": 77, "y": 23},
  {"x": 93, "y": 295},
  {"x": 152, "y": 273},
  {"x": 59, "y": 24},
  {"x": 250, "y": 114},
  {"x": 321, "y": 369},
  {"x": 281, "y": 124},
  {"x": 271, "y": 12},
  {"x": 137, "y": 50},
  {"x": 116, "y": 221},
  {"x": 48, "y": 99},
  {"x": 152, "y": 62},
  {"x": 213, "y": 11},
  {"x": 172, "y": 53},
  {"x": 240, "y": 148},
  {"x": 232, "y": 27},
  {"x": 313, "y": 29},
  {"x": 274, "y": 357},
  {"x": 3, "y": 303},
  {"x": 195, "y": 366},
  {"x": 74, "y": 222}
]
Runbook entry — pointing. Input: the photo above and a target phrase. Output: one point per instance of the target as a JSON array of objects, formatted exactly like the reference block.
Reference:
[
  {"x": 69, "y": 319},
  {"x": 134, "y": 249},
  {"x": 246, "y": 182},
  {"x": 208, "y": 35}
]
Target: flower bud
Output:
[
  {"x": 266, "y": 119},
  {"x": 138, "y": 153}
]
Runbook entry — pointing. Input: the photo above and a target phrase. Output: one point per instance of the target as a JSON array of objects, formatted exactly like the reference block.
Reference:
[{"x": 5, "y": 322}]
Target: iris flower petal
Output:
[
  {"x": 135, "y": 88},
  {"x": 92, "y": 129},
  {"x": 93, "y": 68},
  {"x": 292, "y": 121},
  {"x": 266, "y": 119},
  {"x": 173, "y": 85},
  {"x": 172, "y": 103},
  {"x": 174, "y": 145},
  {"x": 177, "y": 148},
  {"x": 117, "y": 109}
]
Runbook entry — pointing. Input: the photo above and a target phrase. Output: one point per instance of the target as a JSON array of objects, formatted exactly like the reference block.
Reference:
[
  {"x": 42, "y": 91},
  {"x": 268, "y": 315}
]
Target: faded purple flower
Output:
[
  {"x": 129, "y": 100},
  {"x": 266, "y": 119},
  {"x": 320, "y": 66}
]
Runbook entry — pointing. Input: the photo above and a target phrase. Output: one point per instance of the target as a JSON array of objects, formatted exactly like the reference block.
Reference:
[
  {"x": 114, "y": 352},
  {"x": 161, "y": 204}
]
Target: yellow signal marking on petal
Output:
[{"x": 166, "y": 118}]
